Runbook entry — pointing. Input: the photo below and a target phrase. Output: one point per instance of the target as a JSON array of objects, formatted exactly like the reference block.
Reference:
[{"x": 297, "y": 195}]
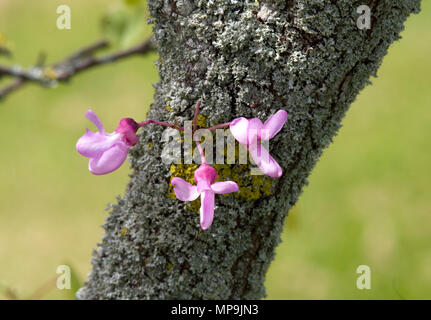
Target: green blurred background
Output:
[{"x": 368, "y": 202}]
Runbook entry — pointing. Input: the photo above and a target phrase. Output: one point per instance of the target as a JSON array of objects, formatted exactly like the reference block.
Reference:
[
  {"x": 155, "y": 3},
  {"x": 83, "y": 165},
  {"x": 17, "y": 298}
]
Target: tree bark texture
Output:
[{"x": 240, "y": 59}]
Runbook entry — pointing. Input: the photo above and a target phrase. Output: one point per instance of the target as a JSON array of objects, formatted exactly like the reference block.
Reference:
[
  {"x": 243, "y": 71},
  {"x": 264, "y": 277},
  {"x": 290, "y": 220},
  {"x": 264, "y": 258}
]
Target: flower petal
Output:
[
  {"x": 238, "y": 128},
  {"x": 224, "y": 187},
  {"x": 184, "y": 191},
  {"x": 264, "y": 161},
  {"x": 253, "y": 131},
  {"x": 275, "y": 123},
  {"x": 207, "y": 209},
  {"x": 93, "y": 144},
  {"x": 203, "y": 185},
  {"x": 109, "y": 160},
  {"x": 92, "y": 116}
]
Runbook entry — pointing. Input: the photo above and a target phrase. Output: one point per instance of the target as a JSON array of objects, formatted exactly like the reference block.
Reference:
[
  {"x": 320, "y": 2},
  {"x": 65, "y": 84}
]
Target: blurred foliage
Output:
[
  {"x": 368, "y": 201},
  {"x": 124, "y": 24},
  {"x": 133, "y": 2},
  {"x": 5, "y": 49}
]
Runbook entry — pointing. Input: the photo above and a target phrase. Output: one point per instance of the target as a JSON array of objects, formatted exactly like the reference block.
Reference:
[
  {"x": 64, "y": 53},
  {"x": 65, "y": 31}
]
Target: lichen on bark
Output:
[{"x": 239, "y": 58}]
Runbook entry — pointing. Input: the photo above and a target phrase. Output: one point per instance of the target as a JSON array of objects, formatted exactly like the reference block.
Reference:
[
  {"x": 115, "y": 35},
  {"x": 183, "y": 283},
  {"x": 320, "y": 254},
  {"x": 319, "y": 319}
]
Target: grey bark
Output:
[{"x": 238, "y": 58}]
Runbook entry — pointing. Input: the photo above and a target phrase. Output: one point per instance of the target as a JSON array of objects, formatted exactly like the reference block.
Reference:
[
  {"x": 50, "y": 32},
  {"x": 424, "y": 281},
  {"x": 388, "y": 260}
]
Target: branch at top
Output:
[{"x": 65, "y": 69}]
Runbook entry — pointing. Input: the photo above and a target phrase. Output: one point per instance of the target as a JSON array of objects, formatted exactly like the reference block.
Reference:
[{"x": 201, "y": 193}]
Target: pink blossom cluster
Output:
[{"x": 108, "y": 151}]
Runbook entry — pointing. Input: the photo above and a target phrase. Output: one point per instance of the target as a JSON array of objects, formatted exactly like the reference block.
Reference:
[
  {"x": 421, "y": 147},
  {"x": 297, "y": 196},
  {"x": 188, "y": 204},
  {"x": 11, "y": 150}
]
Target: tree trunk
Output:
[{"x": 239, "y": 58}]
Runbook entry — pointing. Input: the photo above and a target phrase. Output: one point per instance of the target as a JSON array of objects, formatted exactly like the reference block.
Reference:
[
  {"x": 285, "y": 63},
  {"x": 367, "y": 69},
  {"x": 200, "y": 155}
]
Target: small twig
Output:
[
  {"x": 93, "y": 62},
  {"x": 41, "y": 58},
  {"x": 165, "y": 124},
  {"x": 15, "y": 85},
  {"x": 87, "y": 51},
  {"x": 219, "y": 126},
  {"x": 17, "y": 72},
  {"x": 201, "y": 151},
  {"x": 65, "y": 69}
]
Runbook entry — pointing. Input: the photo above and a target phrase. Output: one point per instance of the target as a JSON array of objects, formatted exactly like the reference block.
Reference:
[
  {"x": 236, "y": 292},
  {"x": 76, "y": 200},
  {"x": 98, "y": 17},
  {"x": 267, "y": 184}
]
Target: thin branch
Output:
[
  {"x": 165, "y": 124},
  {"x": 15, "y": 85},
  {"x": 65, "y": 69},
  {"x": 90, "y": 62},
  {"x": 219, "y": 126},
  {"x": 87, "y": 51}
]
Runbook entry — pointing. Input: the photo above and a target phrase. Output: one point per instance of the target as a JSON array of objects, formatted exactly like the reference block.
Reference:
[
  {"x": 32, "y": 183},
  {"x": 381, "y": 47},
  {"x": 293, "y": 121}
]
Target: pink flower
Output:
[
  {"x": 250, "y": 133},
  {"x": 205, "y": 176},
  {"x": 107, "y": 151}
]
